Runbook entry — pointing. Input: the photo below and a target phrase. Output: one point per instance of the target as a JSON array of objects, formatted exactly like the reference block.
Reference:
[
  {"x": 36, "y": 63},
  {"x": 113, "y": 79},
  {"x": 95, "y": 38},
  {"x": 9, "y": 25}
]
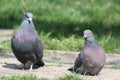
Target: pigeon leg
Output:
[
  {"x": 85, "y": 72},
  {"x": 31, "y": 66},
  {"x": 23, "y": 67}
]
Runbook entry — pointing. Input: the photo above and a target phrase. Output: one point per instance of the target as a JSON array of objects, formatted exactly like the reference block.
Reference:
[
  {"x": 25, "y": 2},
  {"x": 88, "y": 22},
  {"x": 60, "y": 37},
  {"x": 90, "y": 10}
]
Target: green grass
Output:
[
  {"x": 61, "y": 43},
  {"x": 5, "y": 46},
  {"x": 60, "y": 23},
  {"x": 33, "y": 77},
  {"x": 116, "y": 67},
  {"x": 71, "y": 43},
  {"x": 23, "y": 77},
  {"x": 71, "y": 77}
]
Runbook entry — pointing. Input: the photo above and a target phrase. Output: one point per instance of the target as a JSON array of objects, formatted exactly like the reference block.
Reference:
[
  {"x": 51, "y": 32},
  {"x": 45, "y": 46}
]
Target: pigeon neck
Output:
[
  {"x": 27, "y": 26},
  {"x": 90, "y": 40},
  {"x": 27, "y": 22}
]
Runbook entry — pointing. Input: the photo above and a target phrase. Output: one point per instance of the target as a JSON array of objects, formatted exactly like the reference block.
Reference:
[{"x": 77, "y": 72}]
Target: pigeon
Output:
[
  {"x": 91, "y": 59},
  {"x": 26, "y": 44}
]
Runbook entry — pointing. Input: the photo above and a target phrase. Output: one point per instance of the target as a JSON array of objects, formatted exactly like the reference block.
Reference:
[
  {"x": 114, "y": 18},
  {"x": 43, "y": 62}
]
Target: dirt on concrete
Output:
[
  {"x": 5, "y": 34},
  {"x": 57, "y": 63}
]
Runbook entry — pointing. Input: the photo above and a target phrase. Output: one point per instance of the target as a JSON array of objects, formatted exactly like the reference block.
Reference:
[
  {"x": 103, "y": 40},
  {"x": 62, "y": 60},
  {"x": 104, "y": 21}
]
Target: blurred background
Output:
[{"x": 60, "y": 23}]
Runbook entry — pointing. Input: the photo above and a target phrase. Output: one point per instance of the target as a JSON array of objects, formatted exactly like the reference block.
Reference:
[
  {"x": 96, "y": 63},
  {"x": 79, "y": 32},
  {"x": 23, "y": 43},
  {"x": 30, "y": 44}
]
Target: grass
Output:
[
  {"x": 5, "y": 46},
  {"x": 71, "y": 43},
  {"x": 61, "y": 43},
  {"x": 110, "y": 43},
  {"x": 25, "y": 77},
  {"x": 33, "y": 77},
  {"x": 60, "y": 23},
  {"x": 115, "y": 67},
  {"x": 71, "y": 77}
]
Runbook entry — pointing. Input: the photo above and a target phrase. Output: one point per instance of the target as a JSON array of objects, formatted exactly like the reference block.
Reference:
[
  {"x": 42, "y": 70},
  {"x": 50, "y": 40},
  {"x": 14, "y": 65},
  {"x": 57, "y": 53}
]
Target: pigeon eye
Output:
[{"x": 26, "y": 16}]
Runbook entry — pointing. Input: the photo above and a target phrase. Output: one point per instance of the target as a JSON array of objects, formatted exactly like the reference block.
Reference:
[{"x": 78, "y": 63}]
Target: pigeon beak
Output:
[
  {"x": 85, "y": 36},
  {"x": 30, "y": 19}
]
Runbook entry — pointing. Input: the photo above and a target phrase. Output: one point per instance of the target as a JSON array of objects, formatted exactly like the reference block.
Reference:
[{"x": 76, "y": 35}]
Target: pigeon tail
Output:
[
  {"x": 39, "y": 63},
  {"x": 73, "y": 69}
]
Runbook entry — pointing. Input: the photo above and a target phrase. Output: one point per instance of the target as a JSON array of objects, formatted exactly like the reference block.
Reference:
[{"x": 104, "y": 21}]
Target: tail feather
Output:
[
  {"x": 38, "y": 64},
  {"x": 73, "y": 69}
]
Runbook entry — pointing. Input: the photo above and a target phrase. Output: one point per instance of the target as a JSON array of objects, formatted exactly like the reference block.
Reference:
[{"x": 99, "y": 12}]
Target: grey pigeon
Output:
[
  {"x": 26, "y": 44},
  {"x": 92, "y": 57}
]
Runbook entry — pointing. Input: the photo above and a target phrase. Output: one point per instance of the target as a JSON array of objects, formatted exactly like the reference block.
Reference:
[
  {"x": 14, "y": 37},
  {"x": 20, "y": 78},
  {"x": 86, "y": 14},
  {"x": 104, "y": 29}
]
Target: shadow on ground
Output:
[
  {"x": 115, "y": 62},
  {"x": 12, "y": 66}
]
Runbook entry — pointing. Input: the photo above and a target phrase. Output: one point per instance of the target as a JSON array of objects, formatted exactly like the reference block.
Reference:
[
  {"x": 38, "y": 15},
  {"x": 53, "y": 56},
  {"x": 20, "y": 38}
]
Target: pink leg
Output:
[
  {"x": 31, "y": 67},
  {"x": 23, "y": 67}
]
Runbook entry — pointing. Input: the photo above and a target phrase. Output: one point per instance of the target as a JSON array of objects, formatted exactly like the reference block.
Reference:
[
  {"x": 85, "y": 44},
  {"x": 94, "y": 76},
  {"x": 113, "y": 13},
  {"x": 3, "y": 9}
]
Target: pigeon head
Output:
[
  {"x": 28, "y": 16},
  {"x": 89, "y": 36}
]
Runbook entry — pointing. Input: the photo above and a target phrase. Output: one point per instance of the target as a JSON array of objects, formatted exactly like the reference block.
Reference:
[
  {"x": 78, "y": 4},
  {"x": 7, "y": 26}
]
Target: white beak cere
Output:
[
  {"x": 30, "y": 19},
  {"x": 84, "y": 36}
]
